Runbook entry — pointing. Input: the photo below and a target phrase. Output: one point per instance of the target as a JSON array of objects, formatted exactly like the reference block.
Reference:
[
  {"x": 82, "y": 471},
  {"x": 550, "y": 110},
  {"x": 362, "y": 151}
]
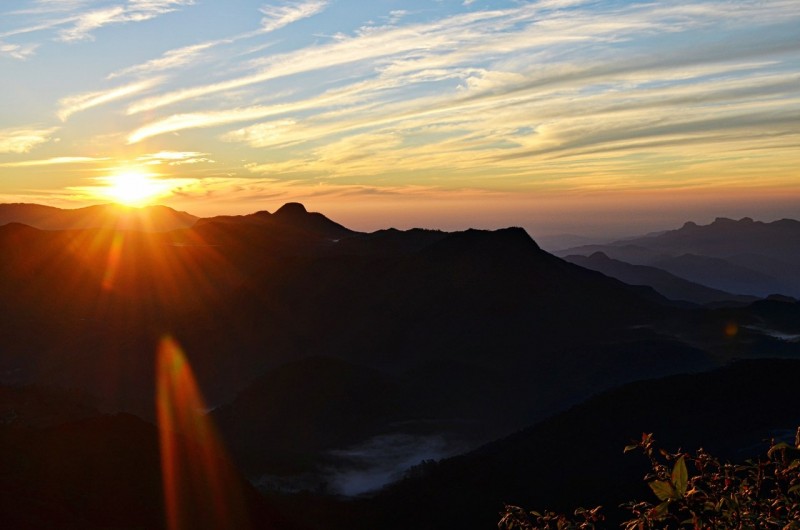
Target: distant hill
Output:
[
  {"x": 575, "y": 458},
  {"x": 669, "y": 285},
  {"x": 742, "y": 257},
  {"x": 112, "y": 216},
  {"x": 556, "y": 242},
  {"x": 724, "y": 274}
]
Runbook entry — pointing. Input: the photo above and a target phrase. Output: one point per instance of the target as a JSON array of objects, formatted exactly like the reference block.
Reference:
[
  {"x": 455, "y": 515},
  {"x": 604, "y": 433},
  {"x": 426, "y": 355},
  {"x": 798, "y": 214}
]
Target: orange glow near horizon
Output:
[{"x": 201, "y": 489}]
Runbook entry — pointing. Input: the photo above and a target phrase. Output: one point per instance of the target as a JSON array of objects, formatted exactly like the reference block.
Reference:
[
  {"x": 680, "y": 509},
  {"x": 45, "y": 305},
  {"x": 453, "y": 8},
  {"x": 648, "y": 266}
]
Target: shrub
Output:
[{"x": 695, "y": 492}]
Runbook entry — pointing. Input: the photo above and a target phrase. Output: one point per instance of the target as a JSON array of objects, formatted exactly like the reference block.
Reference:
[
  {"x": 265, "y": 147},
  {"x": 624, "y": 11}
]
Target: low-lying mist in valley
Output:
[{"x": 368, "y": 466}]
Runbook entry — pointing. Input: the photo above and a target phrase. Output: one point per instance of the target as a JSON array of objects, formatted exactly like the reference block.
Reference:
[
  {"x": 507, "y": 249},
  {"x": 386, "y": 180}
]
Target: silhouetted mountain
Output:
[
  {"x": 575, "y": 458},
  {"x": 315, "y": 342},
  {"x": 669, "y": 285},
  {"x": 37, "y": 407},
  {"x": 554, "y": 243},
  {"x": 743, "y": 257},
  {"x": 109, "y": 216},
  {"x": 291, "y": 217},
  {"x": 779, "y": 312},
  {"x": 722, "y": 274},
  {"x": 103, "y": 472},
  {"x": 389, "y": 243},
  {"x": 244, "y": 296},
  {"x": 727, "y": 237}
]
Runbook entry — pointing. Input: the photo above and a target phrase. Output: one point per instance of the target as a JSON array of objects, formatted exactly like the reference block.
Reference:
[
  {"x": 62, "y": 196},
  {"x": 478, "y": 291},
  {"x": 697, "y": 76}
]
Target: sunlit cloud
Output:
[
  {"x": 17, "y": 51},
  {"x": 279, "y": 16},
  {"x": 199, "y": 120},
  {"x": 172, "y": 59},
  {"x": 55, "y": 161},
  {"x": 371, "y": 46},
  {"x": 22, "y": 140},
  {"x": 275, "y": 17},
  {"x": 175, "y": 158},
  {"x": 78, "y": 103},
  {"x": 76, "y": 20},
  {"x": 84, "y": 23},
  {"x": 52, "y": 6}
]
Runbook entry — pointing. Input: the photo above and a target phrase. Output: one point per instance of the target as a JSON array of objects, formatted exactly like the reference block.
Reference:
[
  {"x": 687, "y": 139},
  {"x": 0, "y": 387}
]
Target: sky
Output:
[{"x": 563, "y": 116}]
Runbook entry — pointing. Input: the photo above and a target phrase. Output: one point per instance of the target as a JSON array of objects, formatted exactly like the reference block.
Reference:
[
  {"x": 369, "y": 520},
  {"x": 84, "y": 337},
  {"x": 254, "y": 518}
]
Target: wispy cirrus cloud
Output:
[
  {"x": 84, "y": 23},
  {"x": 56, "y": 161},
  {"x": 77, "y": 20},
  {"x": 80, "y": 102},
  {"x": 468, "y": 40},
  {"x": 200, "y": 120},
  {"x": 279, "y": 16},
  {"x": 376, "y": 45},
  {"x": 175, "y": 158},
  {"x": 177, "y": 58},
  {"x": 274, "y": 17},
  {"x": 23, "y": 139},
  {"x": 552, "y": 107},
  {"x": 17, "y": 51}
]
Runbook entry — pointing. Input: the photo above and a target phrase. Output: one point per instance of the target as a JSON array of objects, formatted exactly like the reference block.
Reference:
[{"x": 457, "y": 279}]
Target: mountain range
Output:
[
  {"x": 744, "y": 257},
  {"x": 665, "y": 283},
  {"x": 332, "y": 360}
]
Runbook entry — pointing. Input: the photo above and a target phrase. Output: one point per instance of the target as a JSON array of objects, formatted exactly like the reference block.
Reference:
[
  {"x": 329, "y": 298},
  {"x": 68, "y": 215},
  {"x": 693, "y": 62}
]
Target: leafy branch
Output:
[{"x": 761, "y": 493}]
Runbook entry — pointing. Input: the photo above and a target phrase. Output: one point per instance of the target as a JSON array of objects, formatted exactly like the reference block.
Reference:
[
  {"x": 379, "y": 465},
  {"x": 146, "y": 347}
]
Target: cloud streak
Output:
[
  {"x": 82, "y": 25},
  {"x": 172, "y": 59},
  {"x": 80, "y": 102},
  {"x": 22, "y": 140},
  {"x": 17, "y": 51},
  {"x": 280, "y": 16},
  {"x": 56, "y": 161},
  {"x": 76, "y": 20}
]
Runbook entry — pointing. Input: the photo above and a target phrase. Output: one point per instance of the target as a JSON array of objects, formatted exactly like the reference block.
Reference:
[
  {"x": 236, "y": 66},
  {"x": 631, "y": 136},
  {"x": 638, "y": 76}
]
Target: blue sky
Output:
[{"x": 437, "y": 113}]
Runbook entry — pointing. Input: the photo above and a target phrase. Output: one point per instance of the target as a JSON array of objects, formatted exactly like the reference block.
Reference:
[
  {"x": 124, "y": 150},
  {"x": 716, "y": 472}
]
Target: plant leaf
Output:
[
  {"x": 661, "y": 510},
  {"x": 680, "y": 477},
  {"x": 777, "y": 447},
  {"x": 664, "y": 490}
]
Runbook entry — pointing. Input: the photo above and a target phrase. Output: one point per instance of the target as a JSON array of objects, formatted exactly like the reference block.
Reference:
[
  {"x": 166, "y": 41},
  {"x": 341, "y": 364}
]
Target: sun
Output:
[{"x": 134, "y": 188}]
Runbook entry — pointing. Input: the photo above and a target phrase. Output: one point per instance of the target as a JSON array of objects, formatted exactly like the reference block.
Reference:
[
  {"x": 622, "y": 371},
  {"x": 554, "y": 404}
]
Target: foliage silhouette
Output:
[{"x": 695, "y": 491}]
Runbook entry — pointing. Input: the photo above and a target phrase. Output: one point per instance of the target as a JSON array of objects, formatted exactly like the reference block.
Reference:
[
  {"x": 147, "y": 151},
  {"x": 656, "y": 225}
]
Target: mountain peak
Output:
[{"x": 291, "y": 209}]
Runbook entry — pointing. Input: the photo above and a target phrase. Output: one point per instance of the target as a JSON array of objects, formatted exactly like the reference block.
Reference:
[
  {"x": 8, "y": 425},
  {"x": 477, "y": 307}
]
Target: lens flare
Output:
[{"x": 201, "y": 488}]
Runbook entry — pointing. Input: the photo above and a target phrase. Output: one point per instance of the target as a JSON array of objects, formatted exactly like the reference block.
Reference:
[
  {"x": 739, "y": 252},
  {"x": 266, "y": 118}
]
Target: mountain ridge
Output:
[
  {"x": 155, "y": 218},
  {"x": 672, "y": 286},
  {"x": 757, "y": 258}
]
